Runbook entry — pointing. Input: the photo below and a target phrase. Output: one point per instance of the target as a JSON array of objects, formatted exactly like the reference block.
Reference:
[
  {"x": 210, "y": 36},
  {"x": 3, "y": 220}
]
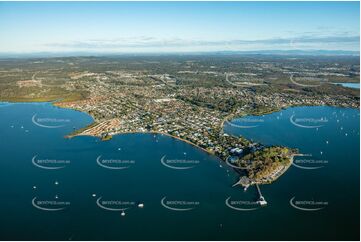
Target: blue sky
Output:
[{"x": 177, "y": 26}]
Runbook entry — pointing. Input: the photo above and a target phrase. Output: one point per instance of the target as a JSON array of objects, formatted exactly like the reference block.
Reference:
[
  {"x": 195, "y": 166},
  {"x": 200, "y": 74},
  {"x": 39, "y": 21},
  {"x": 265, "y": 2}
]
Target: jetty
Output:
[
  {"x": 261, "y": 201},
  {"x": 245, "y": 182}
]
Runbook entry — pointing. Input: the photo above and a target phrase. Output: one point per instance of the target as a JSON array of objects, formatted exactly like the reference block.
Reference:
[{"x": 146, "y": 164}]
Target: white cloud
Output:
[{"x": 146, "y": 43}]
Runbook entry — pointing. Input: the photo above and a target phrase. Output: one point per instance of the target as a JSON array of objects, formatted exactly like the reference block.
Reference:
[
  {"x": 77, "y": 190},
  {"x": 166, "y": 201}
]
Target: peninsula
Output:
[{"x": 188, "y": 98}]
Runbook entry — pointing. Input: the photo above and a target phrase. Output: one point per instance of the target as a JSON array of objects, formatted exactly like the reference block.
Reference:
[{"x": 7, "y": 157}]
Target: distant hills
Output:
[
  {"x": 253, "y": 52},
  {"x": 294, "y": 52}
]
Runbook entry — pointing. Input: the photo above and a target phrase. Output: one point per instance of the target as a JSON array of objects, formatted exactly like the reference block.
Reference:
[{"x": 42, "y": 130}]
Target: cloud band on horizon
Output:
[{"x": 174, "y": 44}]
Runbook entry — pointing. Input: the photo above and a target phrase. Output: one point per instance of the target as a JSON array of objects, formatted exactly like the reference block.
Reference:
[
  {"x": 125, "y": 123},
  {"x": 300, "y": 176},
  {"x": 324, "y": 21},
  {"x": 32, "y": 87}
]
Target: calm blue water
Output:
[
  {"x": 350, "y": 85},
  {"x": 331, "y": 136},
  {"x": 201, "y": 190}
]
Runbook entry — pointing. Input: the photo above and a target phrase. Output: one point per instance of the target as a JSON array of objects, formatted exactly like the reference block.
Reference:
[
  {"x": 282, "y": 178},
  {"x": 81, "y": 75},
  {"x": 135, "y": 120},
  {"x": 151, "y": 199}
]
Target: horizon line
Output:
[{"x": 53, "y": 54}]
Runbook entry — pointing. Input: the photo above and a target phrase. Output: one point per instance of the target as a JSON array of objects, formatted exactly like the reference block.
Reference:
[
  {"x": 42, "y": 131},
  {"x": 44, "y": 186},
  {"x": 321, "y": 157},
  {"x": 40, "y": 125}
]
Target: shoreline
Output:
[
  {"x": 285, "y": 168},
  {"x": 231, "y": 116},
  {"x": 150, "y": 132},
  {"x": 227, "y": 118}
]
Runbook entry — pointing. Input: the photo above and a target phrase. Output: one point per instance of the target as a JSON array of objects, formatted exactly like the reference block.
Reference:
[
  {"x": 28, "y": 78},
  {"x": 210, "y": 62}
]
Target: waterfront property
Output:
[{"x": 80, "y": 181}]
